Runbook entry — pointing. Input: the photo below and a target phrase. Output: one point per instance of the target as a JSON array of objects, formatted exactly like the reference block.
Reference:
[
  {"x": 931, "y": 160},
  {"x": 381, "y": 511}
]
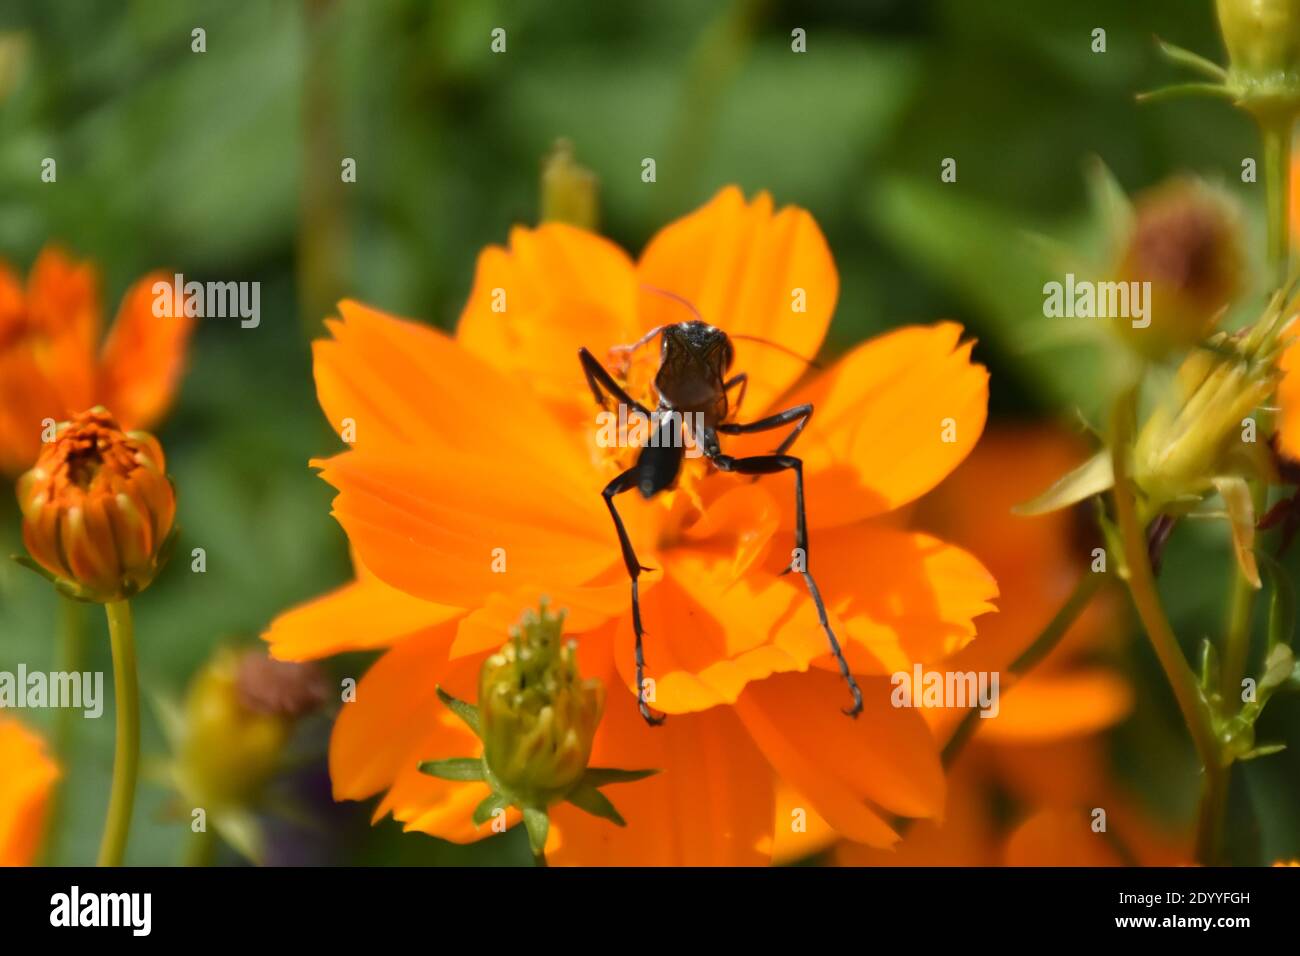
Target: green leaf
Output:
[
  {"x": 490, "y": 805},
  {"x": 455, "y": 768},
  {"x": 1278, "y": 667},
  {"x": 590, "y": 799},
  {"x": 1091, "y": 478},
  {"x": 1281, "y": 605},
  {"x": 603, "y": 776},
  {"x": 538, "y": 825},
  {"x": 465, "y": 711}
]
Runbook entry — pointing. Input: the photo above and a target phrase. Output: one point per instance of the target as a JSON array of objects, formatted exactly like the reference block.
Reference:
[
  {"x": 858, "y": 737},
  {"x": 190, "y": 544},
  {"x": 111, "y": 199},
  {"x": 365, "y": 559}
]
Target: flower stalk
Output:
[
  {"x": 126, "y": 756},
  {"x": 1142, "y": 588}
]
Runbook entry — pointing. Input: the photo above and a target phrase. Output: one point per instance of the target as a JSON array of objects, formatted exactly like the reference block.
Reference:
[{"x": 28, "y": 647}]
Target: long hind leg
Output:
[
  {"x": 771, "y": 464},
  {"x": 625, "y": 482}
]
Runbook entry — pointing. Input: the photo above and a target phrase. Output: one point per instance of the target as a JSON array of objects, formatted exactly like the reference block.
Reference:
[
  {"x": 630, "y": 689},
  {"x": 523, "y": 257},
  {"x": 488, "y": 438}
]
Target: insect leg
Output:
[
  {"x": 771, "y": 464},
  {"x": 598, "y": 377},
  {"x": 624, "y": 482},
  {"x": 799, "y": 414}
]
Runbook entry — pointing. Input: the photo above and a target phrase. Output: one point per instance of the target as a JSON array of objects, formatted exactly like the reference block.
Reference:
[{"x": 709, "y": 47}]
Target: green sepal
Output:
[
  {"x": 1091, "y": 478},
  {"x": 603, "y": 776},
  {"x": 591, "y": 800},
  {"x": 1236, "y": 496},
  {"x": 1193, "y": 61},
  {"x": 1263, "y": 751},
  {"x": 538, "y": 824},
  {"x": 1179, "y": 90},
  {"x": 490, "y": 805},
  {"x": 465, "y": 711},
  {"x": 454, "y": 768}
]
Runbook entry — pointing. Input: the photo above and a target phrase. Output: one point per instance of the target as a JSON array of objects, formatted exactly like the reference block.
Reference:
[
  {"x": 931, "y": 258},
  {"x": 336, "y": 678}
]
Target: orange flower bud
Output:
[{"x": 98, "y": 508}]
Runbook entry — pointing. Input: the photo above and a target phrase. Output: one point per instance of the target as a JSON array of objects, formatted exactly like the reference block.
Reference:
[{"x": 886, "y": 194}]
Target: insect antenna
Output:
[
  {"x": 811, "y": 363},
  {"x": 682, "y": 300}
]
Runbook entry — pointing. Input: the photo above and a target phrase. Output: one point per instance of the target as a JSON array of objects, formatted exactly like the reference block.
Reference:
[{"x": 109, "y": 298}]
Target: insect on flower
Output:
[{"x": 693, "y": 384}]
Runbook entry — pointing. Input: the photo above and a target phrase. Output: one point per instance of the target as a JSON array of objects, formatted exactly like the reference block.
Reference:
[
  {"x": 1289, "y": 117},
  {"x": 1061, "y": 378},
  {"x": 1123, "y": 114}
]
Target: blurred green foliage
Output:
[{"x": 225, "y": 164}]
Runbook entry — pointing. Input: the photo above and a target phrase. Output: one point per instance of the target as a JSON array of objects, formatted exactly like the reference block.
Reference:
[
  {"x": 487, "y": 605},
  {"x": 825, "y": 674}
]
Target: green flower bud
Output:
[
  {"x": 1195, "y": 434},
  {"x": 1263, "y": 41},
  {"x": 569, "y": 191},
  {"x": 538, "y": 716}
]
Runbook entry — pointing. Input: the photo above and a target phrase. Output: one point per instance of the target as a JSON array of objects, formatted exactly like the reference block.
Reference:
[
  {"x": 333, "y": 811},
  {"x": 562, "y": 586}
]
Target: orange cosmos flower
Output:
[
  {"x": 52, "y": 363},
  {"x": 472, "y": 488},
  {"x": 1042, "y": 753},
  {"x": 25, "y": 786}
]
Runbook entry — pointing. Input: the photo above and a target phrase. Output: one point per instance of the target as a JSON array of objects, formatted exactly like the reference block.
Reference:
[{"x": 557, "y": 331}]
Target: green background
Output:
[{"x": 225, "y": 165}]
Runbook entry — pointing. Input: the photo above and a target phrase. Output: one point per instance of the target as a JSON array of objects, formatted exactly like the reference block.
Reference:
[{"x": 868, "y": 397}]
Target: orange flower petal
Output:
[
  {"x": 586, "y": 608},
  {"x": 883, "y": 418},
  {"x": 711, "y": 806},
  {"x": 1060, "y": 838},
  {"x": 709, "y": 634},
  {"x": 849, "y": 769},
  {"x": 403, "y": 385},
  {"x": 966, "y": 836},
  {"x": 1288, "y": 397},
  {"x": 359, "y": 616},
  {"x": 918, "y": 604},
  {"x": 533, "y": 305},
  {"x": 746, "y": 268},
  {"x": 800, "y": 831},
  {"x": 25, "y": 786},
  {"x": 63, "y": 297},
  {"x": 142, "y": 358},
  {"x": 395, "y": 723},
  {"x": 455, "y": 528},
  {"x": 1052, "y": 706}
]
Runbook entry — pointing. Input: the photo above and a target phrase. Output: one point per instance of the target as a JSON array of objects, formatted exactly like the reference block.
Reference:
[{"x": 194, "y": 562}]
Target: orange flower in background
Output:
[
  {"x": 53, "y": 364},
  {"x": 25, "y": 786},
  {"x": 1042, "y": 755},
  {"x": 472, "y": 488}
]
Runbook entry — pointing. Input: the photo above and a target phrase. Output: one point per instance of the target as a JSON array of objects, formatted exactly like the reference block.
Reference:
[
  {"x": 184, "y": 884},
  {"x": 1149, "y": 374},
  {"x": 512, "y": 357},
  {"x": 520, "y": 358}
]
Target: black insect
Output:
[{"x": 692, "y": 385}]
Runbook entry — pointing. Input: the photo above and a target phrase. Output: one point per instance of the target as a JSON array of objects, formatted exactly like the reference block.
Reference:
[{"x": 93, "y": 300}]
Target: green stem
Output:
[
  {"x": 1275, "y": 131},
  {"x": 126, "y": 757},
  {"x": 1142, "y": 588},
  {"x": 539, "y": 858},
  {"x": 1209, "y": 817},
  {"x": 72, "y": 654},
  {"x": 1088, "y": 585}
]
